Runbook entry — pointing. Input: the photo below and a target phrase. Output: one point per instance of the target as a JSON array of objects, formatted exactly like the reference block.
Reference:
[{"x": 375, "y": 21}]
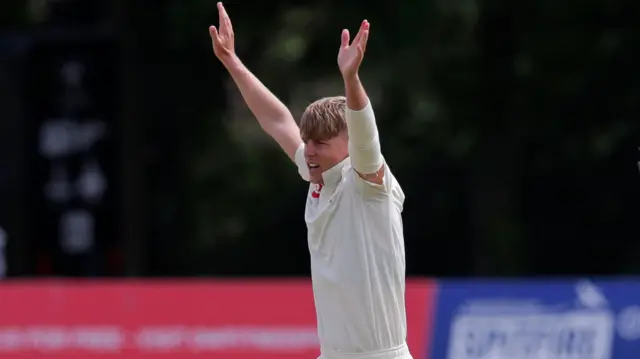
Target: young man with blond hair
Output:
[{"x": 354, "y": 204}]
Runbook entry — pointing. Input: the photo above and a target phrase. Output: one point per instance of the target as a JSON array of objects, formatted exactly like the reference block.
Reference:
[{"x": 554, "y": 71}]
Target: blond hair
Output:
[{"x": 324, "y": 119}]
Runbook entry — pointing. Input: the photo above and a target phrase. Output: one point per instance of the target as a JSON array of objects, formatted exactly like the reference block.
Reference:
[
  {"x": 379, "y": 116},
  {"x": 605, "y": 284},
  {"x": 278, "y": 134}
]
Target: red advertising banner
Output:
[{"x": 174, "y": 320}]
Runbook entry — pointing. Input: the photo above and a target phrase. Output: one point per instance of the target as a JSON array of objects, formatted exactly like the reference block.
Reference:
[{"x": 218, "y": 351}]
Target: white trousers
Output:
[{"x": 401, "y": 352}]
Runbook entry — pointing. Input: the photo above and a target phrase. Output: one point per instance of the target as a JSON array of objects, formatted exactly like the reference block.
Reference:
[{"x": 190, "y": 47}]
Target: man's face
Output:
[{"x": 322, "y": 155}]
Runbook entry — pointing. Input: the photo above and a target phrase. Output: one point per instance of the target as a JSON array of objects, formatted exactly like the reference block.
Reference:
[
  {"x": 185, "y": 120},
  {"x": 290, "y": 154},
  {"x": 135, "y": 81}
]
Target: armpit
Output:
[
  {"x": 372, "y": 186},
  {"x": 376, "y": 178}
]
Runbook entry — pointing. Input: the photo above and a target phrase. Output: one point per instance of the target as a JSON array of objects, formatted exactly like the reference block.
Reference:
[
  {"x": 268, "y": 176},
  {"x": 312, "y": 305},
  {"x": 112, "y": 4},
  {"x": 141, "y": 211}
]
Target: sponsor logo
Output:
[{"x": 527, "y": 329}]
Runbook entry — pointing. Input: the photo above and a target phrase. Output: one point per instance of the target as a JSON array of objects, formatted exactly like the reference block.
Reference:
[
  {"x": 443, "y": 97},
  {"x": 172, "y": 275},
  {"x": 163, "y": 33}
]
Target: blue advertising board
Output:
[{"x": 546, "y": 319}]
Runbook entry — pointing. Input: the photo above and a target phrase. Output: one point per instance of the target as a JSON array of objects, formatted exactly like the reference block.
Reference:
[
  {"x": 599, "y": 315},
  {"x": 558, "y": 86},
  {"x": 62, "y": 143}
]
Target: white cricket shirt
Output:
[{"x": 356, "y": 244}]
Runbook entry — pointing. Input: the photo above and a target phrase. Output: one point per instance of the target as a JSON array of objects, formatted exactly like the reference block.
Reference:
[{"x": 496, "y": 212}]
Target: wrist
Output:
[
  {"x": 232, "y": 63},
  {"x": 356, "y": 95},
  {"x": 351, "y": 79}
]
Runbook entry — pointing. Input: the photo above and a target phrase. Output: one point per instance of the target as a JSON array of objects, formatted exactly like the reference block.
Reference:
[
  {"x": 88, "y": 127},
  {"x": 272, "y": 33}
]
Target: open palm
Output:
[
  {"x": 222, "y": 39},
  {"x": 350, "y": 55}
]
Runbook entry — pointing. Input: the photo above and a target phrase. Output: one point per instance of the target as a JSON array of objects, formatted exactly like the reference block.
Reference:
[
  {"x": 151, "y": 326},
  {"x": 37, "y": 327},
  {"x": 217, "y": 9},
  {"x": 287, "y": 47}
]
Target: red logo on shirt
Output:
[{"x": 316, "y": 192}]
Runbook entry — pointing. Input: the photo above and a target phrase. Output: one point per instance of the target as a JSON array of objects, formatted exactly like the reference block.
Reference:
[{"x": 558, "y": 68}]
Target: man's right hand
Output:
[{"x": 223, "y": 38}]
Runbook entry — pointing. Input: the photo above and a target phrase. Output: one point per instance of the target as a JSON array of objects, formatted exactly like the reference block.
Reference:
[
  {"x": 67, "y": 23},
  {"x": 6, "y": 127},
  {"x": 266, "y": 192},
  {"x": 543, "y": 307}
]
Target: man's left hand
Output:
[{"x": 350, "y": 55}]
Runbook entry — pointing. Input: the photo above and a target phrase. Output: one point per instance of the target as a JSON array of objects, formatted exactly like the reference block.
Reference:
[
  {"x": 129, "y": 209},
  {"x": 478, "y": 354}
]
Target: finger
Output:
[
  {"x": 345, "y": 39},
  {"x": 223, "y": 19},
  {"x": 360, "y": 52},
  {"x": 363, "y": 40},
  {"x": 213, "y": 32},
  {"x": 221, "y": 14},
  {"x": 364, "y": 26},
  {"x": 227, "y": 19}
]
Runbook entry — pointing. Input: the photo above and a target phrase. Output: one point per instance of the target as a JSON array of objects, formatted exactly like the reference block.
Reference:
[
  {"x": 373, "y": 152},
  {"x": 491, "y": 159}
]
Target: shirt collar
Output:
[{"x": 333, "y": 174}]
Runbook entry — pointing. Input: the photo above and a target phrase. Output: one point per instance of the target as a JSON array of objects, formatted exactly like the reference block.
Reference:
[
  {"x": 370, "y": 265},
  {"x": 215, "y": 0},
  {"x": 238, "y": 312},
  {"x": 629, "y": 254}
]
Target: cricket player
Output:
[{"x": 354, "y": 204}]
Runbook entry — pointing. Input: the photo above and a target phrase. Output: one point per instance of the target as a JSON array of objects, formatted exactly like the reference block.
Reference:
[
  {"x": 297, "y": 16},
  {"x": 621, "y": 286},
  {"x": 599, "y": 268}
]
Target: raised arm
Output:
[
  {"x": 364, "y": 142},
  {"x": 272, "y": 115}
]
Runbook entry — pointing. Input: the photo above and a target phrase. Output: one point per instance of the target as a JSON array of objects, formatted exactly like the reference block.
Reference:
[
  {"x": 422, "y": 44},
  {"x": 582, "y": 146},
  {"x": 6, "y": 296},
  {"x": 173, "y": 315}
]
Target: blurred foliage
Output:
[
  {"x": 512, "y": 127},
  {"x": 14, "y": 13}
]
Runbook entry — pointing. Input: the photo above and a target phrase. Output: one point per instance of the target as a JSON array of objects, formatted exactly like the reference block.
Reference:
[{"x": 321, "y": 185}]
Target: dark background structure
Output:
[{"x": 125, "y": 149}]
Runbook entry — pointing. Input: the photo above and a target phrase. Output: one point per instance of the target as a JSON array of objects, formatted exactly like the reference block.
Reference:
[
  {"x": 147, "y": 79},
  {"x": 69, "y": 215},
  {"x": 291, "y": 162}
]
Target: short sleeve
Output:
[{"x": 303, "y": 170}]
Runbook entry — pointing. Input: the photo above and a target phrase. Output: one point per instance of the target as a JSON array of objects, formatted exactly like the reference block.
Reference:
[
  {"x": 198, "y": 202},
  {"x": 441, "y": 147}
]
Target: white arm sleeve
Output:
[
  {"x": 302, "y": 163},
  {"x": 364, "y": 143}
]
